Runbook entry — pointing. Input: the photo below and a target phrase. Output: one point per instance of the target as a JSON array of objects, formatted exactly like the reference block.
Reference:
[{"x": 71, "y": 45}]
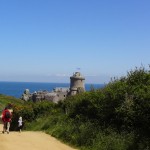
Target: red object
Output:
[{"x": 3, "y": 116}]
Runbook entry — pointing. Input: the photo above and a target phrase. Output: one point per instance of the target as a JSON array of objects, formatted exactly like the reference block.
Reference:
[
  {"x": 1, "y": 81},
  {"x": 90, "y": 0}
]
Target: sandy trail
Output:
[{"x": 27, "y": 140}]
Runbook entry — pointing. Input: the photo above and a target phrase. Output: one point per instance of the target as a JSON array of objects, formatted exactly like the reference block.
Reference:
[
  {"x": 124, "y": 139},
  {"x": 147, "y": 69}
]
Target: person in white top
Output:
[{"x": 20, "y": 124}]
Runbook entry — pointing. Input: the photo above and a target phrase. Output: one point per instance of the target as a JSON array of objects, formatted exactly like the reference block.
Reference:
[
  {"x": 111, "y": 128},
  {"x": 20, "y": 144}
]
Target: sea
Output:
[{"x": 16, "y": 89}]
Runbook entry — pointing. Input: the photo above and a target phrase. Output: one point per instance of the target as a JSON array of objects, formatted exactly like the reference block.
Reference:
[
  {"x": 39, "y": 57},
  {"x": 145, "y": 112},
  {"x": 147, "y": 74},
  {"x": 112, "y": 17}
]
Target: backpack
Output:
[{"x": 7, "y": 115}]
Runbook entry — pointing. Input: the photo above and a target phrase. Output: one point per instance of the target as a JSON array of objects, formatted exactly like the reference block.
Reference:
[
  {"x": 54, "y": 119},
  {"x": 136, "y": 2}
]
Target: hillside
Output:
[
  {"x": 5, "y": 100},
  {"x": 116, "y": 117}
]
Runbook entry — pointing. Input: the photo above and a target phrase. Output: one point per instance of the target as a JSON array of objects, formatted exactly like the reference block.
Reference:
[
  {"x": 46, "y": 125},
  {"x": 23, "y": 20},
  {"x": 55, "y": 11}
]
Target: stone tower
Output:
[{"x": 76, "y": 83}]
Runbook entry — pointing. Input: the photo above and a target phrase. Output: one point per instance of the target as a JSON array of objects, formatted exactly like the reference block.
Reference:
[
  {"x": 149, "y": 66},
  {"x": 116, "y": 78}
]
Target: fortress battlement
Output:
[{"x": 58, "y": 93}]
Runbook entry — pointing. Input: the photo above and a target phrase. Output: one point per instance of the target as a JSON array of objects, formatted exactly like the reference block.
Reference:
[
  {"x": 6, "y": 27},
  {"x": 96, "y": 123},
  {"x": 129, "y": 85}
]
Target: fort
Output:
[{"x": 58, "y": 93}]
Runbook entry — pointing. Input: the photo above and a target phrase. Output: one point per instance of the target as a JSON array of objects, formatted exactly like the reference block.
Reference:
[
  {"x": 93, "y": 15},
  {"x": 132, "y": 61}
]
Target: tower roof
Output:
[{"x": 77, "y": 75}]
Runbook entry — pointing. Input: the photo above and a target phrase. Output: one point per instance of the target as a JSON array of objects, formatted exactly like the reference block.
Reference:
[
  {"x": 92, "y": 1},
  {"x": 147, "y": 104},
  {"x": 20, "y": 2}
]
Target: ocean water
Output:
[{"x": 16, "y": 89}]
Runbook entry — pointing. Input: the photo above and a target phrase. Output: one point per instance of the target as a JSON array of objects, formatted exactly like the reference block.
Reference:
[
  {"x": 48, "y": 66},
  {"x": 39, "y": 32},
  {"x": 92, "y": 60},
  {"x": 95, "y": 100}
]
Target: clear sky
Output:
[{"x": 47, "y": 40}]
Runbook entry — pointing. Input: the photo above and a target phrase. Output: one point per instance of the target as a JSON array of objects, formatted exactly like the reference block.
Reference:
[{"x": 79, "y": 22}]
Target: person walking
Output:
[
  {"x": 20, "y": 125},
  {"x": 6, "y": 118}
]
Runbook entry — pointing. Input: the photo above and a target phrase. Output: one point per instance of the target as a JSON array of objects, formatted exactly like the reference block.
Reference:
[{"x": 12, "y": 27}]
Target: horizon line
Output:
[{"x": 47, "y": 82}]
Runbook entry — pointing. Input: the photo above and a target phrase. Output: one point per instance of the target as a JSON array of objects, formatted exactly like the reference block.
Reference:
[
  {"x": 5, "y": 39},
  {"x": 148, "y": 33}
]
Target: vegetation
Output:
[
  {"x": 6, "y": 100},
  {"x": 116, "y": 117}
]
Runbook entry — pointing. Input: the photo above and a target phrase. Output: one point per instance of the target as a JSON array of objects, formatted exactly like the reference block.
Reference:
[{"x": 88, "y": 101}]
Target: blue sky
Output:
[{"x": 47, "y": 40}]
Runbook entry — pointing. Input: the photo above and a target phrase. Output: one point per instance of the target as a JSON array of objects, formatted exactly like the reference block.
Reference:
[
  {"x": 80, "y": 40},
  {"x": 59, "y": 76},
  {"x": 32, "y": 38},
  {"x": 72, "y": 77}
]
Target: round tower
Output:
[{"x": 76, "y": 83}]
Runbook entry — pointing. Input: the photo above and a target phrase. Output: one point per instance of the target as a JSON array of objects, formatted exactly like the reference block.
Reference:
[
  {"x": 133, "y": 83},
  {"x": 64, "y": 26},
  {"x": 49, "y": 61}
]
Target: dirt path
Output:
[{"x": 30, "y": 141}]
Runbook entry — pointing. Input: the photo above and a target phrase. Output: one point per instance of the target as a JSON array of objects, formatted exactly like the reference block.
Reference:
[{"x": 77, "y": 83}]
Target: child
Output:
[{"x": 20, "y": 123}]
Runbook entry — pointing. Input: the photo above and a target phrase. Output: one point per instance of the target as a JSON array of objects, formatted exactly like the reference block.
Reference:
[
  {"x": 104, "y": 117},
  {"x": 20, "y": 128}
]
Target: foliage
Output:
[
  {"x": 116, "y": 117},
  {"x": 7, "y": 100},
  {"x": 30, "y": 111},
  {"x": 123, "y": 105}
]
